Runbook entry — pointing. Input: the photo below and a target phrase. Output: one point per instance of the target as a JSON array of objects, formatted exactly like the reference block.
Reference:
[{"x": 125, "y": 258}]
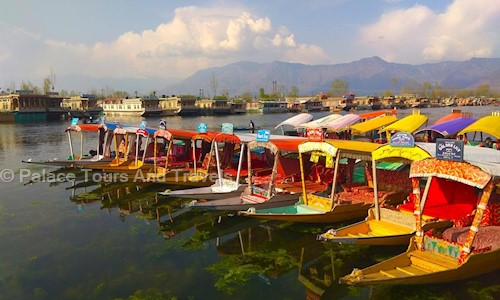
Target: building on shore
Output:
[{"x": 26, "y": 106}]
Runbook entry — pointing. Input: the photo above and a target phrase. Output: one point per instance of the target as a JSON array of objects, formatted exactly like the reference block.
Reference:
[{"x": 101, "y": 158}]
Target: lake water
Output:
[{"x": 77, "y": 240}]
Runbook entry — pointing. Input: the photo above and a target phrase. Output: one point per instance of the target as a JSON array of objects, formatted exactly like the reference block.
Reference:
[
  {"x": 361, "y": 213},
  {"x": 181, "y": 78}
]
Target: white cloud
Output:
[
  {"x": 196, "y": 38},
  {"x": 468, "y": 28}
]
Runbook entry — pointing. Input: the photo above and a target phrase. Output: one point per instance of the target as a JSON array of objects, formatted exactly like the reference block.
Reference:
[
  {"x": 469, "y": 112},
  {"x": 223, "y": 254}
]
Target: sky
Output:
[{"x": 174, "y": 39}]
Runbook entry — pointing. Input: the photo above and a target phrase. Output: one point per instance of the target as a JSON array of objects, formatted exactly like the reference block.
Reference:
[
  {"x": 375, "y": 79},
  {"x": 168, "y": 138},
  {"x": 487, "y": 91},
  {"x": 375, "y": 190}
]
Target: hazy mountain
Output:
[{"x": 366, "y": 76}]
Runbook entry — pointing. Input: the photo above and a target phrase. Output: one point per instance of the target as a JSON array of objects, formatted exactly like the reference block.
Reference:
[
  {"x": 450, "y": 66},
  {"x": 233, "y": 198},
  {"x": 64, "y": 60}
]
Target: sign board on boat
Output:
[
  {"x": 227, "y": 128},
  {"x": 202, "y": 127},
  {"x": 450, "y": 149},
  {"x": 74, "y": 121},
  {"x": 402, "y": 139},
  {"x": 143, "y": 125},
  {"x": 315, "y": 134},
  {"x": 263, "y": 135}
]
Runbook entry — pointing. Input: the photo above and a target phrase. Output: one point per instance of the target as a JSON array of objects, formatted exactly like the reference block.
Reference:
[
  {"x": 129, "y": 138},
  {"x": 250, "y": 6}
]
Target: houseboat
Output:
[
  {"x": 220, "y": 106},
  {"x": 151, "y": 106},
  {"x": 26, "y": 106},
  {"x": 274, "y": 106},
  {"x": 347, "y": 102},
  {"x": 84, "y": 107},
  {"x": 312, "y": 105},
  {"x": 188, "y": 106},
  {"x": 123, "y": 107},
  {"x": 238, "y": 107},
  {"x": 170, "y": 106},
  {"x": 374, "y": 103}
]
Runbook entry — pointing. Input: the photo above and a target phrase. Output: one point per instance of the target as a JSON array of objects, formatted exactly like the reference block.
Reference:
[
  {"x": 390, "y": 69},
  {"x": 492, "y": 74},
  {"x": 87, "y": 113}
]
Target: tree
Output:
[
  {"x": 426, "y": 89},
  {"x": 483, "y": 90},
  {"x": 47, "y": 85},
  {"x": 262, "y": 94},
  {"x": 339, "y": 87},
  {"x": 246, "y": 96},
  {"x": 28, "y": 86},
  {"x": 387, "y": 93},
  {"x": 394, "y": 81},
  {"x": 294, "y": 91}
]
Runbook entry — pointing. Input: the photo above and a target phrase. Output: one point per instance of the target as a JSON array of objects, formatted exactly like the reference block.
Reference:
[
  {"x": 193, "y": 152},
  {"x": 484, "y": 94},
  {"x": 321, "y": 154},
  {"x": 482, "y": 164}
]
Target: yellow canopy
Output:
[
  {"x": 488, "y": 124},
  {"x": 407, "y": 124},
  {"x": 324, "y": 147},
  {"x": 388, "y": 152},
  {"x": 355, "y": 149},
  {"x": 373, "y": 124},
  {"x": 331, "y": 147}
]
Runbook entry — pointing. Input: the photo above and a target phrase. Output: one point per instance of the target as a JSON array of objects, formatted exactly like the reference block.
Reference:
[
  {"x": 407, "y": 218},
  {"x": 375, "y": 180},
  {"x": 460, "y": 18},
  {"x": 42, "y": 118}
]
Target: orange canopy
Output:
[
  {"x": 227, "y": 138},
  {"x": 289, "y": 145},
  {"x": 180, "y": 134},
  {"x": 452, "y": 116},
  {"x": 378, "y": 113}
]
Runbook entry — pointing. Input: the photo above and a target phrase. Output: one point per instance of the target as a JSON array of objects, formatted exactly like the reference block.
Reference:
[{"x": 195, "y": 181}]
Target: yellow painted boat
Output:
[
  {"x": 409, "y": 124},
  {"x": 489, "y": 125},
  {"x": 383, "y": 226},
  {"x": 444, "y": 255},
  {"x": 323, "y": 207},
  {"x": 180, "y": 165},
  {"x": 421, "y": 267}
]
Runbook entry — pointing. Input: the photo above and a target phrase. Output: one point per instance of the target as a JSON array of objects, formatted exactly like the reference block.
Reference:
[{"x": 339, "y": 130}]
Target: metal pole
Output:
[
  {"x": 240, "y": 161},
  {"x": 375, "y": 189}
]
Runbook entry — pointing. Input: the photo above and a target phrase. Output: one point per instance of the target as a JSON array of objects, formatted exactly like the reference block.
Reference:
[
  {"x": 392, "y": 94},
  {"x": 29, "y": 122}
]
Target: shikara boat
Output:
[
  {"x": 132, "y": 146},
  {"x": 189, "y": 162},
  {"x": 77, "y": 160},
  {"x": 368, "y": 130},
  {"x": 378, "y": 113},
  {"x": 447, "y": 130},
  {"x": 228, "y": 177},
  {"x": 263, "y": 181},
  {"x": 384, "y": 226},
  {"x": 455, "y": 114},
  {"x": 321, "y": 122},
  {"x": 409, "y": 123},
  {"x": 489, "y": 125},
  {"x": 445, "y": 255},
  {"x": 395, "y": 225},
  {"x": 294, "y": 122},
  {"x": 325, "y": 206}
]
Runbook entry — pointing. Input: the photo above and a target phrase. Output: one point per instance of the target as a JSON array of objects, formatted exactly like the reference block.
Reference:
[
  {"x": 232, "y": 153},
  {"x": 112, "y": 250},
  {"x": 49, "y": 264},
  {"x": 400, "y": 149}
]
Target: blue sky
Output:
[{"x": 160, "y": 38}]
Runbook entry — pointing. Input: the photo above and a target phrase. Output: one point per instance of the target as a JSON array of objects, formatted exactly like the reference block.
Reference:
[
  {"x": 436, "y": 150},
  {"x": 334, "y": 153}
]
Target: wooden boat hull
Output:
[
  {"x": 418, "y": 267},
  {"x": 393, "y": 228},
  {"x": 206, "y": 193},
  {"x": 68, "y": 163},
  {"x": 178, "y": 177},
  {"x": 339, "y": 213},
  {"x": 235, "y": 203}
]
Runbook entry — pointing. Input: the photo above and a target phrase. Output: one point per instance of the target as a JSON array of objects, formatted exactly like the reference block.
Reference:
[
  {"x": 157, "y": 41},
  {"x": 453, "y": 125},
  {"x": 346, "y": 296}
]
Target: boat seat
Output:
[{"x": 431, "y": 261}]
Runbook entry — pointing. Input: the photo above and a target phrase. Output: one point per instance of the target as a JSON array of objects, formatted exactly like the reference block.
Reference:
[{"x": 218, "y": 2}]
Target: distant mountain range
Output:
[{"x": 368, "y": 76}]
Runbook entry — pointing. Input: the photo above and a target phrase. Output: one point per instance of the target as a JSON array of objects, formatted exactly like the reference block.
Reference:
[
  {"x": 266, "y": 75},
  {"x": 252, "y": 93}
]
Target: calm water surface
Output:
[{"x": 89, "y": 240}]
